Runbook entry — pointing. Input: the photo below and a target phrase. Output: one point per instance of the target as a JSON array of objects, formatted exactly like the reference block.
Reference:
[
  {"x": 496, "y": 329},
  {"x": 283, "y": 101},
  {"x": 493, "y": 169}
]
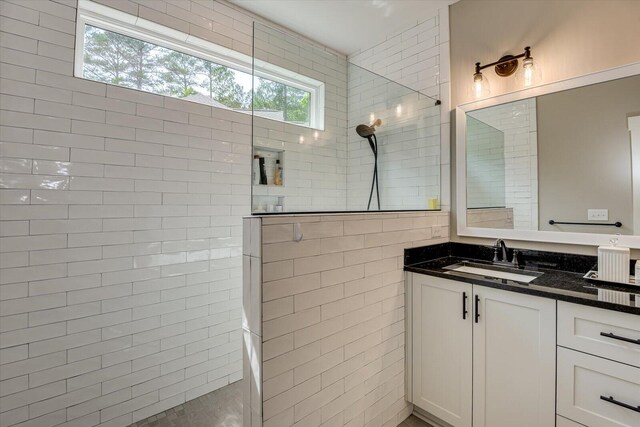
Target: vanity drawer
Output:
[
  {"x": 585, "y": 381},
  {"x": 601, "y": 332},
  {"x": 564, "y": 422}
]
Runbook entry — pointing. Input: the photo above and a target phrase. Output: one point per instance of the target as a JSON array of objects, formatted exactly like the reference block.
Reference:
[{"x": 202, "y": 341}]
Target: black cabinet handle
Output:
[
  {"x": 610, "y": 399},
  {"x": 464, "y": 305},
  {"x": 618, "y": 337},
  {"x": 477, "y": 301}
]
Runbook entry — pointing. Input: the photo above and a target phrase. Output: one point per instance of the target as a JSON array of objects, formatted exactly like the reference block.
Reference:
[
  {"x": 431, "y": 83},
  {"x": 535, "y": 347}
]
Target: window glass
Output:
[
  {"x": 117, "y": 59},
  {"x": 281, "y": 102}
]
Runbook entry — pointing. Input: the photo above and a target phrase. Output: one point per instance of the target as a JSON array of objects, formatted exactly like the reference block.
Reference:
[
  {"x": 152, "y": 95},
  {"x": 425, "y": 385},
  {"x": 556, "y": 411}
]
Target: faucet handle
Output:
[
  {"x": 496, "y": 250},
  {"x": 515, "y": 258}
]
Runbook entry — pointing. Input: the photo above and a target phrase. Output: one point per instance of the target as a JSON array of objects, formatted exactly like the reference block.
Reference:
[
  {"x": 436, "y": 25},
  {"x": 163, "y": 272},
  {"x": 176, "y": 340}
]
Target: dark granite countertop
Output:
[{"x": 554, "y": 282}]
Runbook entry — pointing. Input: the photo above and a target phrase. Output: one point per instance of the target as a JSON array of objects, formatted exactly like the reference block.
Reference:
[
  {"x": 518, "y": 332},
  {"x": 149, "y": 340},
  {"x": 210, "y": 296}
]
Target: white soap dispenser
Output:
[{"x": 613, "y": 262}]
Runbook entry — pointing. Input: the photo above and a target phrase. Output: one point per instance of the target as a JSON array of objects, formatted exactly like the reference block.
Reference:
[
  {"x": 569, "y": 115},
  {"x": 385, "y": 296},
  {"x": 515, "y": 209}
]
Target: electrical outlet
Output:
[{"x": 598, "y": 214}]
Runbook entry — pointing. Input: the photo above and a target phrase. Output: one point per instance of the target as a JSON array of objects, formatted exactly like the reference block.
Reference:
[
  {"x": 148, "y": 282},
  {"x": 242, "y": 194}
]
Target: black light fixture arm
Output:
[{"x": 526, "y": 54}]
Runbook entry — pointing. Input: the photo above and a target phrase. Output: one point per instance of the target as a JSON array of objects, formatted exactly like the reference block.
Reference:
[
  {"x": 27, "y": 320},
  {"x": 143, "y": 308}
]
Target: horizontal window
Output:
[{"x": 124, "y": 50}]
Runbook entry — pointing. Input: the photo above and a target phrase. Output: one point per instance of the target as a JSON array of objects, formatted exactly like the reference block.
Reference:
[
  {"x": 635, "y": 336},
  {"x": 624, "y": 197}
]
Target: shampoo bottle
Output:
[
  {"x": 277, "y": 173},
  {"x": 263, "y": 172},
  {"x": 256, "y": 170}
]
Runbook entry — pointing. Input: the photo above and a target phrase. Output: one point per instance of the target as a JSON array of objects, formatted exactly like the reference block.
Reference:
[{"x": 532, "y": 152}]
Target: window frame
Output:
[{"x": 109, "y": 19}]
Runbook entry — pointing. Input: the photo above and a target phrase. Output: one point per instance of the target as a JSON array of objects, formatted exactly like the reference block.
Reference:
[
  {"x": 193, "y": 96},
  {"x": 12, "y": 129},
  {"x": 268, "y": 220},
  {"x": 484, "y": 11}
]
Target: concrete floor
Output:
[
  {"x": 220, "y": 408},
  {"x": 412, "y": 421}
]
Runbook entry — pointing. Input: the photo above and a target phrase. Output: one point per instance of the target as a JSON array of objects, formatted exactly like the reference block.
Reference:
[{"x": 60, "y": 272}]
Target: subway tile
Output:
[
  {"x": 33, "y": 151},
  {"x": 48, "y": 167},
  {"x": 14, "y": 290},
  {"x": 34, "y": 303},
  {"x": 13, "y": 354},
  {"x": 99, "y": 321},
  {"x": 29, "y": 335},
  {"x": 40, "y": 227},
  {"x": 62, "y": 314},
  {"x": 96, "y": 404},
  {"x": 64, "y": 284},
  {"x": 63, "y": 372},
  {"x": 63, "y": 401},
  {"x": 63, "y": 343},
  {"x": 27, "y": 243},
  {"x": 34, "y": 364}
]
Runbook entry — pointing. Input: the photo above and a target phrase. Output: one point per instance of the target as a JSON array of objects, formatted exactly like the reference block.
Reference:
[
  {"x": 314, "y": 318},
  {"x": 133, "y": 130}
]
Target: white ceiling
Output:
[{"x": 345, "y": 25}]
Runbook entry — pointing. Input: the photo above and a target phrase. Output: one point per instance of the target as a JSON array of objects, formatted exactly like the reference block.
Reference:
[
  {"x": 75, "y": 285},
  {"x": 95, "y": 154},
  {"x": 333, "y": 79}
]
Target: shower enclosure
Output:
[{"x": 307, "y": 104}]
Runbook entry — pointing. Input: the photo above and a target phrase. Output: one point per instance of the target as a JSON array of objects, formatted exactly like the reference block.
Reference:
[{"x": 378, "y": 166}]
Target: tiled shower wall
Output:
[
  {"x": 314, "y": 161},
  {"x": 326, "y": 345},
  {"x": 419, "y": 59},
  {"x": 121, "y": 227},
  {"x": 408, "y": 150}
]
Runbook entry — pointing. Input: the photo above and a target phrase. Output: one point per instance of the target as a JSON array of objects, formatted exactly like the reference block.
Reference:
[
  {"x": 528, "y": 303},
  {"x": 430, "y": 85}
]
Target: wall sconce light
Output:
[{"x": 504, "y": 67}]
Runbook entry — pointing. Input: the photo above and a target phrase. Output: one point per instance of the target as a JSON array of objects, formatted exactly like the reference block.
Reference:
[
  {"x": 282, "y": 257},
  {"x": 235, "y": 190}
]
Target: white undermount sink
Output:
[{"x": 523, "y": 276}]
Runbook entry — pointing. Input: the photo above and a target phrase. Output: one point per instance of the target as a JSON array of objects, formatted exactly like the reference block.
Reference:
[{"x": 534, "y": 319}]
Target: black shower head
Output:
[
  {"x": 365, "y": 131},
  {"x": 368, "y": 132}
]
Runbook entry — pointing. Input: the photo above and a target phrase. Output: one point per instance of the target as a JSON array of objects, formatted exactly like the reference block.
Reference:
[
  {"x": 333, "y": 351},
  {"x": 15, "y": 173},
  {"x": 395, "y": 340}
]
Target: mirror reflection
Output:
[{"x": 567, "y": 161}]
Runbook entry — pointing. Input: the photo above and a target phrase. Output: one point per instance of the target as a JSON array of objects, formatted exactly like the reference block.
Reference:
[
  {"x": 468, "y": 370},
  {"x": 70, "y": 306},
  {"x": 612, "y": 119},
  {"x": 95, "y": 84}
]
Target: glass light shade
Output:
[
  {"x": 480, "y": 87},
  {"x": 529, "y": 74}
]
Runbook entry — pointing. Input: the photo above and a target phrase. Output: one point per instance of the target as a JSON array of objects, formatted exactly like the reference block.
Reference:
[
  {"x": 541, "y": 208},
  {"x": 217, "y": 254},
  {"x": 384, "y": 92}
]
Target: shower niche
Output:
[
  {"x": 268, "y": 174},
  {"x": 363, "y": 143}
]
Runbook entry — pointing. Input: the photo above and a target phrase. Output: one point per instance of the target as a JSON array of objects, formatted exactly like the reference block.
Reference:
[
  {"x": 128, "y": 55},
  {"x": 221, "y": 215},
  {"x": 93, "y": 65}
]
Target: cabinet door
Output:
[
  {"x": 514, "y": 348},
  {"x": 442, "y": 352}
]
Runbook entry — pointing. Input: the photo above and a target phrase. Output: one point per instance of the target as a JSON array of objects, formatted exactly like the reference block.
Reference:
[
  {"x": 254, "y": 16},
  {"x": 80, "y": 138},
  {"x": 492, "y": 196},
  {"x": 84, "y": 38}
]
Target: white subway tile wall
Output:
[
  {"x": 419, "y": 59},
  {"x": 408, "y": 148},
  {"x": 333, "y": 318},
  {"x": 314, "y": 161},
  {"x": 121, "y": 228}
]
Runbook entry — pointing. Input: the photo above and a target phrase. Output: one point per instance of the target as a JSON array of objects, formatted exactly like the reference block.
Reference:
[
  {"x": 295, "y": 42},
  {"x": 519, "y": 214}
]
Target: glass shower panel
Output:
[
  {"x": 408, "y": 144},
  {"x": 308, "y": 157},
  {"x": 299, "y": 107}
]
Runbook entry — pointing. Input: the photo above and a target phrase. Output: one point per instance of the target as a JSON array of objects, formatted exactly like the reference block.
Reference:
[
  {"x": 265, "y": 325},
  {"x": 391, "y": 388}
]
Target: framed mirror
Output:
[{"x": 556, "y": 163}]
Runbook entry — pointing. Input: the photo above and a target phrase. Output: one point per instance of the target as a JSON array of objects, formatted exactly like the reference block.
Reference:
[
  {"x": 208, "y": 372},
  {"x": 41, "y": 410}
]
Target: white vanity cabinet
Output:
[
  {"x": 598, "y": 366},
  {"x": 491, "y": 366}
]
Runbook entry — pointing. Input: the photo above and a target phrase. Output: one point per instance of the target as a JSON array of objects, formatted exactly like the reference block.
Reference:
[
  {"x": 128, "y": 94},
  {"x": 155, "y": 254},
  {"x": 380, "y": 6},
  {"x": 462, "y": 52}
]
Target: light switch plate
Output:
[{"x": 598, "y": 214}]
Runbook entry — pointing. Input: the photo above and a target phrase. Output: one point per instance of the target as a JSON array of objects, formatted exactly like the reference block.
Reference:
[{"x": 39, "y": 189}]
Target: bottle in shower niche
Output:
[
  {"x": 277, "y": 173},
  {"x": 256, "y": 170},
  {"x": 263, "y": 172}
]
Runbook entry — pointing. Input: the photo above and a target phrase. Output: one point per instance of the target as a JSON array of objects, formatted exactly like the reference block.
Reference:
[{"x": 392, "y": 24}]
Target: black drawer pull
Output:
[
  {"x": 618, "y": 337},
  {"x": 610, "y": 399},
  {"x": 464, "y": 305},
  {"x": 477, "y": 308}
]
